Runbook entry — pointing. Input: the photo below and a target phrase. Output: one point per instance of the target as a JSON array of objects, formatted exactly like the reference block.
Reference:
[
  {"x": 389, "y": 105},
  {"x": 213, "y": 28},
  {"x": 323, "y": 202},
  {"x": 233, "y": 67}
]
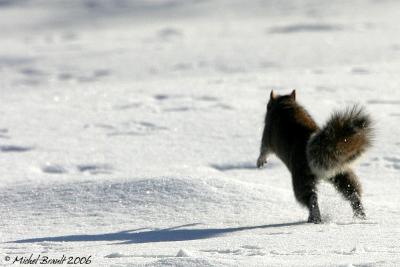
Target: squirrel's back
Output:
[
  {"x": 289, "y": 127},
  {"x": 292, "y": 134}
]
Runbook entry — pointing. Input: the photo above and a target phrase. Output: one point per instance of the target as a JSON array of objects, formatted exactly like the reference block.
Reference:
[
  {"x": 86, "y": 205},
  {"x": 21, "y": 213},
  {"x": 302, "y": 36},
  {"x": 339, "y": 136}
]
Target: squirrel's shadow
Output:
[{"x": 158, "y": 235}]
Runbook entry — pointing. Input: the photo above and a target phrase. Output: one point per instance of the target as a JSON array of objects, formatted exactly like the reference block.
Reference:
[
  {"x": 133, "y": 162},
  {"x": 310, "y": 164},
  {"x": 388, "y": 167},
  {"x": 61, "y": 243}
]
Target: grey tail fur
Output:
[{"x": 346, "y": 135}]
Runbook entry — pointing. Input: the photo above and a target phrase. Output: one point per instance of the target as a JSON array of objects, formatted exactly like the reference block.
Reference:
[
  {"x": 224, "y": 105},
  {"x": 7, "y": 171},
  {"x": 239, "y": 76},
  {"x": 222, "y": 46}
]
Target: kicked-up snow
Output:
[{"x": 130, "y": 130}]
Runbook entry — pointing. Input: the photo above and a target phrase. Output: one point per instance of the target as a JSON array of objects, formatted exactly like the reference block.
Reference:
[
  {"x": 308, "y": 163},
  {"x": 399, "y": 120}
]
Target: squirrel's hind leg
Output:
[
  {"x": 348, "y": 185},
  {"x": 315, "y": 215},
  {"x": 305, "y": 191}
]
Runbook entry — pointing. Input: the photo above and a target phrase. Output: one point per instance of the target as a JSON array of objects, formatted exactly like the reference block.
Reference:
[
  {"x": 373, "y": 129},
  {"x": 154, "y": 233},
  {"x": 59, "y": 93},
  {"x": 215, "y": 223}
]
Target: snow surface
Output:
[{"x": 130, "y": 129}]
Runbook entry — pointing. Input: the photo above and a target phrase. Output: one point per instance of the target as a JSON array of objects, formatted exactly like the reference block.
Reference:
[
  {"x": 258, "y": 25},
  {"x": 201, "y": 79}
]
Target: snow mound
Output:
[{"x": 145, "y": 199}]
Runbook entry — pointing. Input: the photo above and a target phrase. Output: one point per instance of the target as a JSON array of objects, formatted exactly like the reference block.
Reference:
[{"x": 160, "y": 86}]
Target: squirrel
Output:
[{"x": 312, "y": 154}]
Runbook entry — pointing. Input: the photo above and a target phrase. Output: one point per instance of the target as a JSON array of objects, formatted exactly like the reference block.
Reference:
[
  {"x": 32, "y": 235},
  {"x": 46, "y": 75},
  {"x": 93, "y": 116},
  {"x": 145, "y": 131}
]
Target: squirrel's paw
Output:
[
  {"x": 314, "y": 219},
  {"x": 360, "y": 214},
  {"x": 261, "y": 161}
]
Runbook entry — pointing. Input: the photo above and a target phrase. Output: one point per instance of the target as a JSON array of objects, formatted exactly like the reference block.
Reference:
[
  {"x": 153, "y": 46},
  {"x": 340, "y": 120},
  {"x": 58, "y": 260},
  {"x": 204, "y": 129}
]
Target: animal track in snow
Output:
[
  {"x": 161, "y": 97},
  {"x": 388, "y": 162},
  {"x": 305, "y": 28},
  {"x": 32, "y": 72},
  {"x": 179, "y": 103},
  {"x": 94, "y": 76},
  {"x": 95, "y": 168},
  {"x": 53, "y": 169},
  {"x": 392, "y": 162},
  {"x": 92, "y": 169},
  {"x": 12, "y": 61},
  {"x": 14, "y": 148},
  {"x": 90, "y": 76},
  {"x": 127, "y": 128},
  {"x": 4, "y": 133},
  {"x": 135, "y": 128}
]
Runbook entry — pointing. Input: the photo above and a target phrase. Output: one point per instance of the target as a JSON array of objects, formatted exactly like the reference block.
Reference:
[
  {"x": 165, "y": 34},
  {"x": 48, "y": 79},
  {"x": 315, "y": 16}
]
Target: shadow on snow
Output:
[{"x": 150, "y": 236}]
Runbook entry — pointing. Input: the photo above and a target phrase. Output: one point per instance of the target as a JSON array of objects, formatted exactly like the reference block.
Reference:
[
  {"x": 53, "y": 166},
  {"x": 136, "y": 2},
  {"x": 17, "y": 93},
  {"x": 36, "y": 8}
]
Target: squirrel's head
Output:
[{"x": 275, "y": 99}]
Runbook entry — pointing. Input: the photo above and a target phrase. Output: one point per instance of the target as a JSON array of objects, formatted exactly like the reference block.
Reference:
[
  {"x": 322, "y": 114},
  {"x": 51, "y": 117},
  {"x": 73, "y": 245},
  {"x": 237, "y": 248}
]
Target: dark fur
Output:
[{"x": 287, "y": 132}]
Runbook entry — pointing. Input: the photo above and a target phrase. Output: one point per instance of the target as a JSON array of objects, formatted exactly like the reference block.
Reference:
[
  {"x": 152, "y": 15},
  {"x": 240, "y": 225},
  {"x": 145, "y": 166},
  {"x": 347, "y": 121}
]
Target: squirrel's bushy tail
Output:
[{"x": 343, "y": 139}]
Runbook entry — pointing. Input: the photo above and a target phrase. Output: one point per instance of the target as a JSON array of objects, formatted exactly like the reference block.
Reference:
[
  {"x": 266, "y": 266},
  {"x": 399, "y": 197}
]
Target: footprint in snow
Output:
[
  {"x": 13, "y": 61},
  {"x": 135, "y": 128},
  {"x": 4, "y": 133},
  {"x": 14, "y": 148},
  {"x": 91, "y": 76},
  {"x": 95, "y": 168},
  {"x": 162, "y": 97},
  {"x": 392, "y": 162},
  {"x": 305, "y": 28},
  {"x": 53, "y": 169},
  {"x": 127, "y": 128},
  {"x": 92, "y": 169},
  {"x": 181, "y": 103},
  {"x": 32, "y": 72}
]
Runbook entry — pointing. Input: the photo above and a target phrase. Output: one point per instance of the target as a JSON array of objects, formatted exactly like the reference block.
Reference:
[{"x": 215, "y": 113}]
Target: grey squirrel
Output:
[{"x": 312, "y": 154}]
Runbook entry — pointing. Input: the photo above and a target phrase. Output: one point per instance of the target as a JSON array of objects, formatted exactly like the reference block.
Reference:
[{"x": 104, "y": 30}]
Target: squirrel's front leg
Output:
[
  {"x": 262, "y": 159},
  {"x": 264, "y": 150}
]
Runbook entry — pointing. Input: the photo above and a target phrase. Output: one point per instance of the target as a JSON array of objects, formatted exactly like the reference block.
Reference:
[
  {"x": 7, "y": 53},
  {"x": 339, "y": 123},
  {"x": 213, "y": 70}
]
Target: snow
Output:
[
  {"x": 130, "y": 130},
  {"x": 183, "y": 253}
]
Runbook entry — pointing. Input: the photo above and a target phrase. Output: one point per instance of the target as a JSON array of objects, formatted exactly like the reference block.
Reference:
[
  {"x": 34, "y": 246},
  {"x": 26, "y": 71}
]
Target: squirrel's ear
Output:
[
  {"x": 272, "y": 95},
  {"x": 293, "y": 95}
]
